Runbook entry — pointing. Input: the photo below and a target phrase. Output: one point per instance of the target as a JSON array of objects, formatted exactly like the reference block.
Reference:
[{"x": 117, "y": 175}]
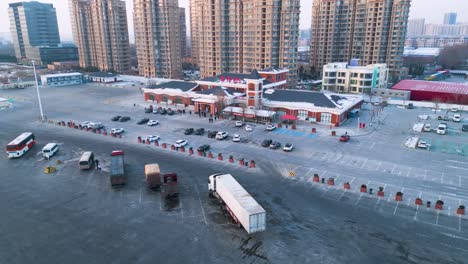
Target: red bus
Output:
[{"x": 20, "y": 145}]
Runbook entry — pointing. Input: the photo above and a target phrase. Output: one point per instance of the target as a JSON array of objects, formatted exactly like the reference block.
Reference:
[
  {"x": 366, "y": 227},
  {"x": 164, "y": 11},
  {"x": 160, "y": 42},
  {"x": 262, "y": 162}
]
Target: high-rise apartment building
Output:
[
  {"x": 243, "y": 35},
  {"x": 416, "y": 27},
  {"x": 157, "y": 38},
  {"x": 373, "y": 31},
  {"x": 100, "y": 32},
  {"x": 33, "y": 24},
  {"x": 183, "y": 33},
  {"x": 450, "y": 18}
]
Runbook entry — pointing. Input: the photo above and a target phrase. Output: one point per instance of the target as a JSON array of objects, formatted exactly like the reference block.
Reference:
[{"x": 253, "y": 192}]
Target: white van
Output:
[{"x": 49, "y": 150}]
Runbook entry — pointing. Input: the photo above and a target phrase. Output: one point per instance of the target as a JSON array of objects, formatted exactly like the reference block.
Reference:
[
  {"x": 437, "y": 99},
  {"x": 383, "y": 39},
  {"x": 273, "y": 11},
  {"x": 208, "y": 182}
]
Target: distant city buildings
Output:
[
  {"x": 450, "y": 18},
  {"x": 416, "y": 27},
  {"x": 100, "y": 32},
  {"x": 241, "y": 36},
  {"x": 371, "y": 30},
  {"x": 436, "y": 41},
  {"x": 157, "y": 38},
  {"x": 342, "y": 77},
  {"x": 35, "y": 34}
]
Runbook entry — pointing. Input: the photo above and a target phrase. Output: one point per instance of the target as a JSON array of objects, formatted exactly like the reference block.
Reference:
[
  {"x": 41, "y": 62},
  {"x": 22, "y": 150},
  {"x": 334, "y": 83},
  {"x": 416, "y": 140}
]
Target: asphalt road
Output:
[{"x": 76, "y": 217}]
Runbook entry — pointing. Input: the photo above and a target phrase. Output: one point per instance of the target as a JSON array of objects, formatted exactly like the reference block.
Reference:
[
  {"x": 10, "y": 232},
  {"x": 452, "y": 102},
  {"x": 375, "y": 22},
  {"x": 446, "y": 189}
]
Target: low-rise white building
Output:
[
  {"x": 62, "y": 79},
  {"x": 341, "y": 77}
]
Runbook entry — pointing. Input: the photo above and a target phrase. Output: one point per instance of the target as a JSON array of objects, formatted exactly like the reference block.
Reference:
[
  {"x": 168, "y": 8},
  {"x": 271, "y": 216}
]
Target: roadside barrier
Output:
[
  {"x": 331, "y": 181},
  {"x": 346, "y": 186},
  {"x": 363, "y": 188},
  {"x": 182, "y": 149},
  {"x": 399, "y": 197},
  {"x": 439, "y": 205},
  {"x": 210, "y": 155},
  {"x": 316, "y": 178},
  {"x": 241, "y": 162},
  {"x": 220, "y": 156},
  {"x": 190, "y": 151},
  {"x": 461, "y": 210},
  {"x": 418, "y": 201},
  {"x": 252, "y": 164},
  {"x": 231, "y": 159},
  {"x": 381, "y": 192},
  {"x": 314, "y": 130}
]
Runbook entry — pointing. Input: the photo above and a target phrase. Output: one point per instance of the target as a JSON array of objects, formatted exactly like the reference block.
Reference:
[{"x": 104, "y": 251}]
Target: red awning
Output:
[{"x": 288, "y": 117}]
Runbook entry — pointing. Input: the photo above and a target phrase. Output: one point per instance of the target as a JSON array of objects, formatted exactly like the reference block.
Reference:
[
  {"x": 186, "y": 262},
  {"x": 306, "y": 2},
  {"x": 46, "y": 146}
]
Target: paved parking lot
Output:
[{"x": 297, "y": 205}]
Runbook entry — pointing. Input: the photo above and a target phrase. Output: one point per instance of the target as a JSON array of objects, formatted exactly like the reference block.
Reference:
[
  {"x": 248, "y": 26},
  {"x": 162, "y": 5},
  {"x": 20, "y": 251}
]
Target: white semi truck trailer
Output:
[{"x": 243, "y": 208}]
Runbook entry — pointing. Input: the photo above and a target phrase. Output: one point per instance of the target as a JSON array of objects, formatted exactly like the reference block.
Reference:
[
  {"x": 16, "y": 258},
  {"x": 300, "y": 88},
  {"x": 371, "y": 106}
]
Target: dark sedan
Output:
[
  {"x": 124, "y": 119},
  {"x": 203, "y": 148},
  {"x": 199, "y": 131},
  {"x": 212, "y": 134},
  {"x": 143, "y": 121},
  {"x": 275, "y": 145},
  {"x": 115, "y": 118},
  {"x": 188, "y": 131},
  {"x": 266, "y": 143}
]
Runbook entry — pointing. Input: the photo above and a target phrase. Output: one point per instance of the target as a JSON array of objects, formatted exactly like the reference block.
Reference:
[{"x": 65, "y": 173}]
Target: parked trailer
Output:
[
  {"x": 117, "y": 170},
  {"x": 243, "y": 208},
  {"x": 153, "y": 175}
]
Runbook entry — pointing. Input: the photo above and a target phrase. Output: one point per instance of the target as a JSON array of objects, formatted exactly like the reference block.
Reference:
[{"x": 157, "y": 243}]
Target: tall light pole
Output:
[{"x": 37, "y": 90}]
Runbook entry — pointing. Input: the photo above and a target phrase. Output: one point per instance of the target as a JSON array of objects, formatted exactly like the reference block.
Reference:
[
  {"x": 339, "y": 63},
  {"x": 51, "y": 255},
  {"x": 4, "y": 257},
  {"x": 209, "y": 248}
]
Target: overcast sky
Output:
[{"x": 432, "y": 10}]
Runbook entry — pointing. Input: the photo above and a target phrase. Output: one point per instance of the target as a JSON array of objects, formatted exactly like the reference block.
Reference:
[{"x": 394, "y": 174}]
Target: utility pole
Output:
[{"x": 37, "y": 90}]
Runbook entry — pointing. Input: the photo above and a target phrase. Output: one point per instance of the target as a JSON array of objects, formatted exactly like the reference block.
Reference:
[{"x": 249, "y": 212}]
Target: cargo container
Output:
[
  {"x": 153, "y": 175},
  {"x": 243, "y": 208},
  {"x": 117, "y": 170}
]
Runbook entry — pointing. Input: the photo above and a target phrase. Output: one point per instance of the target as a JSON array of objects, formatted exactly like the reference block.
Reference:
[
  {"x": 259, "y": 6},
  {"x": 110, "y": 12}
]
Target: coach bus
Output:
[{"x": 20, "y": 145}]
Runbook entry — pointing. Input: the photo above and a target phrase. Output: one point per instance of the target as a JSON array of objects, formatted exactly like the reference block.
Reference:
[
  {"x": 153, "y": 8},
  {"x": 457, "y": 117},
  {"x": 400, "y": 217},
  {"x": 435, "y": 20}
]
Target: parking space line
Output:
[
  {"x": 459, "y": 181},
  {"x": 364, "y": 163},
  {"x": 201, "y": 205},
  {"x": 378, "y": 166},
  {"x": 442, "y": 178},
  {"x": 425, "y": 174},
  {"x": 394, "y": 166},
  {"x": 409, "y": 171}
]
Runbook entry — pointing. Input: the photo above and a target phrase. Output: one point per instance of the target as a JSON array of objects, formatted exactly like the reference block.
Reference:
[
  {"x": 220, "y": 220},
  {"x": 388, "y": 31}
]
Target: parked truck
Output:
[
  {"x": 242, "y": 207},
  {"x": 167, "y": 183},
  {"x": 117, "y": 170}
]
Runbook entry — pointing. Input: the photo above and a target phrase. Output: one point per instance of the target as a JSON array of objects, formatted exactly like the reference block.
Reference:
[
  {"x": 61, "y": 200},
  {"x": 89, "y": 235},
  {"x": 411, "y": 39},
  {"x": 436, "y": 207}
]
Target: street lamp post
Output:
[{"x": 37, "y": 90}]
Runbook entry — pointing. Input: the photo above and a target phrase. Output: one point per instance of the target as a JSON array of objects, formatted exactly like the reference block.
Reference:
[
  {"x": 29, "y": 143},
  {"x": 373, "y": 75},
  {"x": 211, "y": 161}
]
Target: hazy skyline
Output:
[{"x": 419, "y": 9}]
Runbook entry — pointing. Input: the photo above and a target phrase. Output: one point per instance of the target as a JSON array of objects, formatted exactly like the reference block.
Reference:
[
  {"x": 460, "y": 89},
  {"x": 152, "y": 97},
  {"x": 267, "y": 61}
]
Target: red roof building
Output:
[{"x": 445, "y": 92}]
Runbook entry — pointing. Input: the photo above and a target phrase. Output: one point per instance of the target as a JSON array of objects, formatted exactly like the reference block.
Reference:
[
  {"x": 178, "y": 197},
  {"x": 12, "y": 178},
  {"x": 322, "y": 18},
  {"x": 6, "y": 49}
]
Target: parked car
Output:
[
  {"x": 410, "y": 106},
  {"x": 248, "y": 128},
  {"x": 124, "y": 119},
  {"x": 199, "y": 131},
  {"x": 170, "y": 112},
  {"x": 288, "y": 147},
  {"x": 148, "y": 110},
  {"x": 423, "y": 144},
  {"x": 85, "y": 123},
  {"x": 445, "y": 117},
  {"x": 270, "y": 127},
  {"x": 156, "y": 111},
  {"x": 239, "y": 124},
  {"x": 266, "y": 143},
  {"x": 95, "y": 125},
  {"x": 152, "y": 138},
  {"x": 427, "y": 128},
  {"x": 212, "y": 134},
  {"x": 454, "y": 110},
  {"x": 116, "y": 131},
  {"x": 143, "y": 121},
  {"x": 180, "y": 143},
  {"x": 115, "y": 118},
  {"x": 153, "y": 122},
  {"x": 465, "y": 128},
  {"x": 188, "y": 131},
  {"x": 456, "y": 118},
  {"x": 275, "y": 145},
  {"x": 442, "y": 129},
  {"x": 203, "y": 148},
  {"x": 236, "y": 138},
  {"x": 163, "y": 111},
  {"x": 344, "y": 138},
  {"x": 222, "y": 135}
]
